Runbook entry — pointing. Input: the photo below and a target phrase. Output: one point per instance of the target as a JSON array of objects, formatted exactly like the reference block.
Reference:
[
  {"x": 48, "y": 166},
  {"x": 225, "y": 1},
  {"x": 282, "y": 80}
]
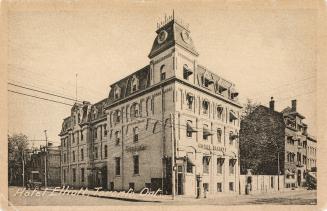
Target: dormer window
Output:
[
  {"x": 233, "y": 95},
  {"x": 189, "y": 100},
  {"x": 162, "y": 72},
  {"x": 117, "y": 92},
  {"x": 186, "y": 72},
  {"x": 205, "y": 106},
  {"x": 206, "y": 80},
  {"x": 134, "y": 84}
]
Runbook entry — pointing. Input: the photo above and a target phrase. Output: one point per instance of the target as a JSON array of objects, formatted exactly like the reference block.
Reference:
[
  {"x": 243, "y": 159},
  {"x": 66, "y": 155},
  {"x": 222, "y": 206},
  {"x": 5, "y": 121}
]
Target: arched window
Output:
[{"x": 162, "y": 72}]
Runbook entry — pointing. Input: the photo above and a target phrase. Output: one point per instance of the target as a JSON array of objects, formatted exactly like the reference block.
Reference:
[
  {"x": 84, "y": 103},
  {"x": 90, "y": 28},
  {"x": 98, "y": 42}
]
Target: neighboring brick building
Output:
[
  {"x": 53, "y": 165},
  {"x": 172, "y": 102},
  {"x": 266, "y": 134}
]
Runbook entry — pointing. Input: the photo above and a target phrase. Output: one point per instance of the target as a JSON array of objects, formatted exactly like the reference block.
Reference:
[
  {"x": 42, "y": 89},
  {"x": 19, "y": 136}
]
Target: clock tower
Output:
[{"x": 172, "y": 51}]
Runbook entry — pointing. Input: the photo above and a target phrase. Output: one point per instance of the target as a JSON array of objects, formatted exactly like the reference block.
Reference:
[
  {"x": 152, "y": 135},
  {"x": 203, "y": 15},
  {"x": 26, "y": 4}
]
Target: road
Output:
[{"x": 48, "y": 198}]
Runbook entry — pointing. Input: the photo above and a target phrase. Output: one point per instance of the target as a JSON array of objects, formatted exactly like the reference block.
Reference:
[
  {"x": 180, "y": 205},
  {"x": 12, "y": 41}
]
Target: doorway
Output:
[{"x": 180, "y": 183}]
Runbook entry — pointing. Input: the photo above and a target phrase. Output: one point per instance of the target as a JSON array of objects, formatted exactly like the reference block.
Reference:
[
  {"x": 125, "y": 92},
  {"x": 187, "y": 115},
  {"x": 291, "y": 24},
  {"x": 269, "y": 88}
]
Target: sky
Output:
[{"x": 266, "y": 51}]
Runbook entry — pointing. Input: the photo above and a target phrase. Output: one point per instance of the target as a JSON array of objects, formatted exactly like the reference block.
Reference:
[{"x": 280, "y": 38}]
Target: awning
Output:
[
  {"x": 190, "y": 129},
  {"x": 187, "y": 70},
  {"x": 232, "y": 115},
  {"x": 190, "y": 161},
  {"x": 206, "y": 132},
  {"x": 222, "y": 89},
  {"x": 233, "y": 136},
  {"x": 234, "y": 94}
]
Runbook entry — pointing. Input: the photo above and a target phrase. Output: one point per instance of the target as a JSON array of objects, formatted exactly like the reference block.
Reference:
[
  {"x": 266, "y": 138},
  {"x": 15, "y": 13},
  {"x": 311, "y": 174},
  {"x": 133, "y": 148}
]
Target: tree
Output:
[
  {"x": 17, "y": 146},
  {"x": 248, "y": 108}
]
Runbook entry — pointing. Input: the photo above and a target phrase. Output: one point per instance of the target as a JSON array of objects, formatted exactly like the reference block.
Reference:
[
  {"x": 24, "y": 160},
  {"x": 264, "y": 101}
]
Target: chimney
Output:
[
  {"x": 272, "y": 104},
  {"x": 293, "y": 105}
]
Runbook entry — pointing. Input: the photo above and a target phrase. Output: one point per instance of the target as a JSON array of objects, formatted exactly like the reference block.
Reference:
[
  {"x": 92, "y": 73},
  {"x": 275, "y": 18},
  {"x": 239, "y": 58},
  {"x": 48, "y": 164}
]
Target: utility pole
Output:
[
  {"x": 172, "y": 157},
  {"x": 46, "y": 160},
  {"x": 278, "y": 168},
  {"x": 23, "y": 161}
]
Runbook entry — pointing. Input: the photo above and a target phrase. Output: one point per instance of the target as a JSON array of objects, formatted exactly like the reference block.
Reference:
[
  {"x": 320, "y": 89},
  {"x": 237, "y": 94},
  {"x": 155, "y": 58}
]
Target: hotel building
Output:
[{"x": 173, "y": 116}]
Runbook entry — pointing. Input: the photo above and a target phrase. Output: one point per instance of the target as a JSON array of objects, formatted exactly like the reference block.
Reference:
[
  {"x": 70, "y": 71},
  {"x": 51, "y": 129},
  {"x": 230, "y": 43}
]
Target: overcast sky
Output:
[{"x": 264, "y": 51}]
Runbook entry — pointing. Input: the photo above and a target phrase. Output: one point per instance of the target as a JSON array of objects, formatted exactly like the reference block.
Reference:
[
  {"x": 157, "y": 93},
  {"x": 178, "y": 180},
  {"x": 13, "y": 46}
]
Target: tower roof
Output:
[{"x": 172, "y": 32}]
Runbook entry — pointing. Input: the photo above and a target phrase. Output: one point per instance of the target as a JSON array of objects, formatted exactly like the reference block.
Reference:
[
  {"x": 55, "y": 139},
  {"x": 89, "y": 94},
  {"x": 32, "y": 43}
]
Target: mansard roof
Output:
[{"x": 125, "y": 84}]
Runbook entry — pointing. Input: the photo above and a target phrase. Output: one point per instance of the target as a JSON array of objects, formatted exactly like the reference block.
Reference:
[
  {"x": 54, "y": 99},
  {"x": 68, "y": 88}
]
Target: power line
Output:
[
  {"x": 37, "y": 87},
  {"x": 39, "y": 97},
  {"x": 43, "y": 92}
]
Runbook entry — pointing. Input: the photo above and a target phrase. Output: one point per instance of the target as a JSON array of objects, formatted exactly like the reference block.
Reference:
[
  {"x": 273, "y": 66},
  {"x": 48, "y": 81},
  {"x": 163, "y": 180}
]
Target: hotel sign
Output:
[
  {"x": 212, "y": 147},
  {"x": 135, "y": 148}
]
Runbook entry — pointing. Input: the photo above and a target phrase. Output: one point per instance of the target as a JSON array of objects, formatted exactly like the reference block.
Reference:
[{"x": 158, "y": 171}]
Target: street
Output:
[{"x": 297, "y": 197}]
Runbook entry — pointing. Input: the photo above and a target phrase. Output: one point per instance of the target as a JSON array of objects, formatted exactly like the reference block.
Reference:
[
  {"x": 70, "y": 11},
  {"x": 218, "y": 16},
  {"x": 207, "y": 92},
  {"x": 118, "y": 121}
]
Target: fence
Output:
[{"x": 261, "y": 183}]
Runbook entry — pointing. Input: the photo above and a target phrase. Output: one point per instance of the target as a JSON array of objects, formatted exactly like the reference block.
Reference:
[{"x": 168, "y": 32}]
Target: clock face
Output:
[
  {"x": 162, "y": 36},
  {"x": 186, "y": 36}
]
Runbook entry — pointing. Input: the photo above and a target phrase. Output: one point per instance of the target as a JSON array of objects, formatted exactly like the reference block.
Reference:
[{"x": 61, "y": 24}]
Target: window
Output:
[
  {"x": 82, "y": 174},
  {"x": 272, "y": 182},
  {"x": 136, "y": 164},
  {"x": 186, "y": 72},
  {"x": 64, "y": 142},
  {"x": 135, "y": 83},
  {"x": 206, "y": 187},
  {"x": 221, "y": 89},
  {"x": 220, "y": 164},
  {"x": 162, "y": 73},
  {"x": 189, "y": 101},
  {"x": 206, "y": 161},
  {"x": 73, "y": 136},
  {"x": 231, "y": 139},
  {"x": 105, "y": 151},
  {"x": 219, "y": 187},
  {"x": 189, "y": 167},
  {"x": 231, "y": 186},
  {"x": 136, "y": 134},
  {"x": 105, "y": 130},
  {"x": 219, "y": 132},
  {"x": 65, "y": 158},
  {"x": 220, "y": 110},
  {"x": 82, "y": 154},
  {"x": 231, "y": 166},
  {"x": 189, "y": 129},
  {"x": 117, "y": 116},
  {"x": 117, "y": 92},
  {"x": 205, "y": 106},
  {"x": 82, "y": 137},
  {"x": 96, "y": 152},
  {"x": 95, "y": 133},
  {"x": 73, "y": 156},
  {"x": 134, "y": 110},
  {"x": 117, "y": 162},
  {"x": 117, "y": 137},
  {"x": 74, "y": 175}
]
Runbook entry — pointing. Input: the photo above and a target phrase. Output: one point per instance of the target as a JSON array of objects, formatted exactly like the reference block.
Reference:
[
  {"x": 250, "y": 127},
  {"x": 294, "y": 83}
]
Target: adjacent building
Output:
[
  {"x": 173, "y": 116},
  {"x": 273, "y": 143},
  {"x": 38, "y": 165}
]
